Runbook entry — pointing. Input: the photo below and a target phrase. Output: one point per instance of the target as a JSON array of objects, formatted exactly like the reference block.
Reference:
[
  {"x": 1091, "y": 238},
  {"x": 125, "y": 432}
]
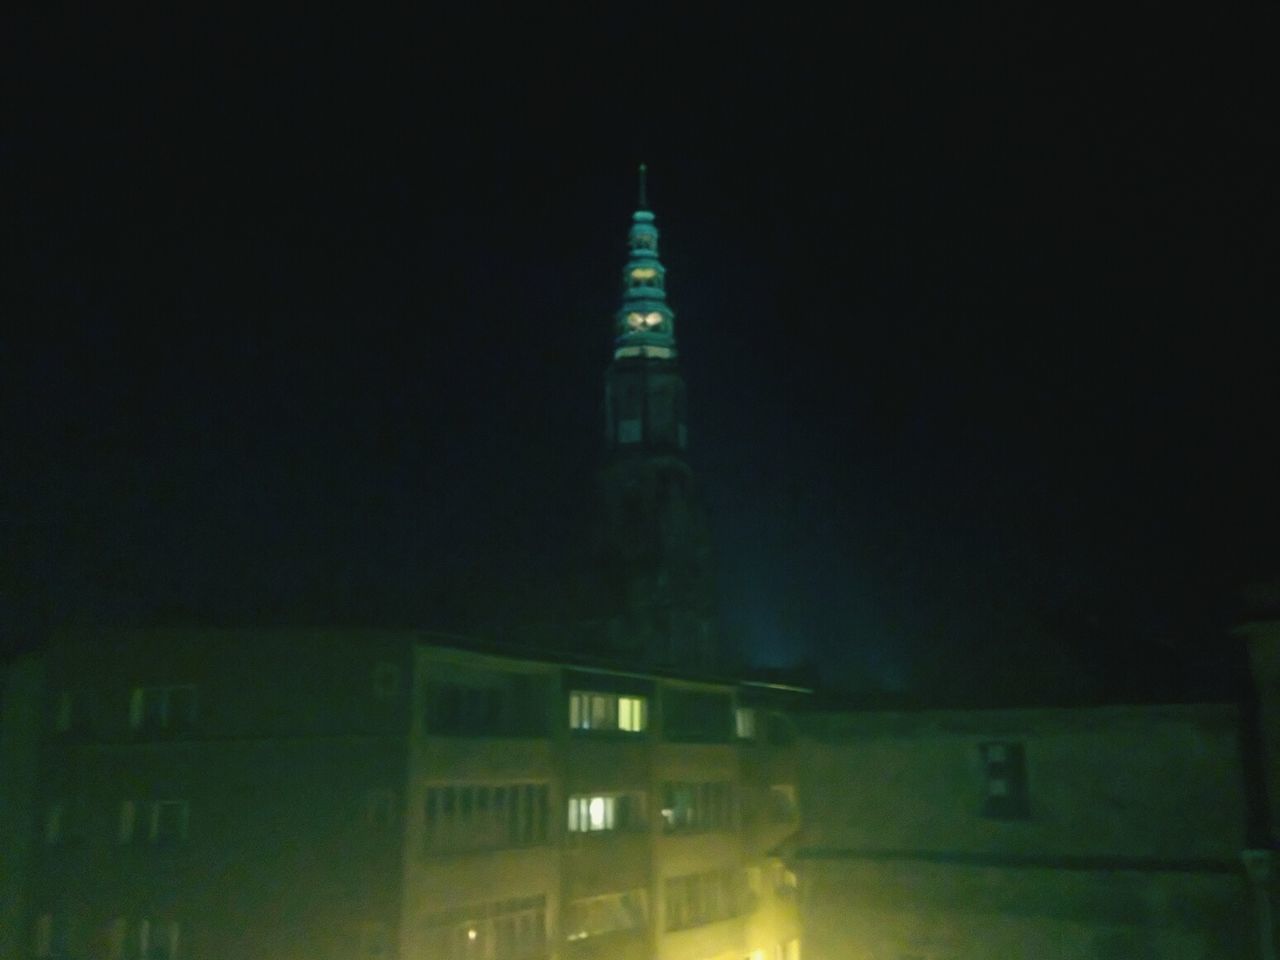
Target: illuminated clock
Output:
[
  {"x": 652, "y": 319},
  {"x": 635, "y": 321}
]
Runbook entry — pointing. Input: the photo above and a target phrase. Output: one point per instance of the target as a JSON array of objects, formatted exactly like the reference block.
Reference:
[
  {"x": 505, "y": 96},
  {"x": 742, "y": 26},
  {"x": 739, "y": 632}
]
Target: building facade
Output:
[
  {"x": 1098, "y": 833},
  {"x": 219, "y": 794},
  {"x": 372, "y": 795}
]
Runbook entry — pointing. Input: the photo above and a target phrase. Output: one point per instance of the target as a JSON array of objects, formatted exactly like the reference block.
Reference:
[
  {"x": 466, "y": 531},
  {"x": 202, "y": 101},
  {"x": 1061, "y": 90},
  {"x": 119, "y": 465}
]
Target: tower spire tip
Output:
[{"x": 643, "y": 203}]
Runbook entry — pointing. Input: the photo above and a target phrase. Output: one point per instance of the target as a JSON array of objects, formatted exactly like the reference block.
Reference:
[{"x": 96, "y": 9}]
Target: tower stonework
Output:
[{"x": 653, "y": 545}]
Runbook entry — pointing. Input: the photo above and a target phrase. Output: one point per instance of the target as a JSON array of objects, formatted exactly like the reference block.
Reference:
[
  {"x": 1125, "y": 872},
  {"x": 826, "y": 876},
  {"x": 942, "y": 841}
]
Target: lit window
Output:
[
  {"x": 593, "y": 814},
  {"x": 631, "y": 714},
  {"x": 607, "y": 711},
  {"x": 744, "y": 721}
]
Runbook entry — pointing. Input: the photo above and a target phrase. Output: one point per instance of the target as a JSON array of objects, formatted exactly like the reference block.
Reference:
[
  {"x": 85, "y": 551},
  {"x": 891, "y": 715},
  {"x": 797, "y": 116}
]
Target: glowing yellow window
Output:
[{"x": 631, "y": 714}]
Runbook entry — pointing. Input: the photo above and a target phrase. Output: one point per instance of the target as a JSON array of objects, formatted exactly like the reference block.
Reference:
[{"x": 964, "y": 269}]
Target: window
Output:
[
  {"x": 1004, "y": 768},
  {"x": 63, "y": 713},
  {"x": 51, "y": 936},
  {"x": 55, "y": 823},
  {"x": 785, "y": 882},
  {"x": 596, "y": 916},
  {"x": 502, "y": 930},
  {"x": 602, "y": 812},
  {"x": 781, "y": 806},
  {"x": 700, "y": 898},
  {"x": 380, "y": 808},
  {"x": 481, "y": 816},
  {"x": 697, "y": 807},
  {"x": 168, "y": 821},
  {"x": 386, "y": 680},
  {"x": 744, "y": 722},
  {"x": 607, "y": 711},
  {"x": 157, "y": 939},
  {"x": 158, "y": 822},
  {"x": 169, "y": 709},
  {"x": 501, "y": 706}
]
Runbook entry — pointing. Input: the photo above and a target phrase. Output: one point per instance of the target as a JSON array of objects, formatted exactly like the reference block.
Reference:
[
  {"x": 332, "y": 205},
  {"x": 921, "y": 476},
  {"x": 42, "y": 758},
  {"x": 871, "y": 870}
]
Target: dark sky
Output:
[{"x": 307, "y": 322}]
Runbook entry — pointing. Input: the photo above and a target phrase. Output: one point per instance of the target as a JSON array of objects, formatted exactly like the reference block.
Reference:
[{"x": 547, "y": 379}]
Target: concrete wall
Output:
[
  {"x": 280, "y": 859},
  {"x": 1130, "y": 845}
]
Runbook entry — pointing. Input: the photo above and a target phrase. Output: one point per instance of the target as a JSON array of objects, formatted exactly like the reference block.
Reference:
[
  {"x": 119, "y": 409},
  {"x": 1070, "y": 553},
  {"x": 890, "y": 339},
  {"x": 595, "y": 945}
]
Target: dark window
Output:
[
  {"x": 700, "y": 898},
  {"x": 696, "y": 807},
  {"x": 1004, "y": 781},
  {"x": 513, "y": 707},
  {"x": 485, "y": 816},
  {"x": 510, "y": 928},
  {"x": 163, "y": 709}
]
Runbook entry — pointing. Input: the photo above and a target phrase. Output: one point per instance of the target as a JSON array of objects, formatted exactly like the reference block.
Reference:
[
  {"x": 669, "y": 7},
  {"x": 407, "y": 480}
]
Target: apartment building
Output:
[{"x": 374, "y": 794}]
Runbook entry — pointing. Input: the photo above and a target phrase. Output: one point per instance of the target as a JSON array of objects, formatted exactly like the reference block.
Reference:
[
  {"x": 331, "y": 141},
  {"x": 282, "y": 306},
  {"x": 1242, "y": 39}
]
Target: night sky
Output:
[{"x": 306, "y": 323}]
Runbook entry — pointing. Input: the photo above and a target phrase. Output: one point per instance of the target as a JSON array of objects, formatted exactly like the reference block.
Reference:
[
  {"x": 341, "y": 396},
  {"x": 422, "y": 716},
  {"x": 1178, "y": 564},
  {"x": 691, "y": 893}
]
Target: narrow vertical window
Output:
[
  {"x": 54, "y": 825},
  {"x": 127, "y": 821},
  {"x": 63, "y": 715},
  {"x": 1005, "y": 795}
]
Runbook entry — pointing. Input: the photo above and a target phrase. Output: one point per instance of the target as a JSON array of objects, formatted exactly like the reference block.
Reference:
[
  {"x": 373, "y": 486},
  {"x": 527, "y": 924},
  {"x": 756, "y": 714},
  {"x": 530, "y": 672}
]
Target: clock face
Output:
[
  {"x": 635, "y": 321},
  {"x": 652, "y": 319}
]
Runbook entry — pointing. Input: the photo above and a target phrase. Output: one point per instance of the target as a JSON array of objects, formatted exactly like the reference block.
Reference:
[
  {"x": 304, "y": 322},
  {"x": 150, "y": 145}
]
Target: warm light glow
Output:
[
  {"x": 631, "y": 714},
  {"x": 606, "y": 711},
  {"x": 471, "y": 934},
  {"x": 643, "y": 273},
  {"x": 652, "y": 319},
  {"x": 635, "y": 321},
  {"x": 595, "y": 813}
]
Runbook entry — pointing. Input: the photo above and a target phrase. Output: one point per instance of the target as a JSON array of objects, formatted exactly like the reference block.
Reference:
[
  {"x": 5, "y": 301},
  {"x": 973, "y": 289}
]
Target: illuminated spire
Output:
[{"x": 645, "y": 325}]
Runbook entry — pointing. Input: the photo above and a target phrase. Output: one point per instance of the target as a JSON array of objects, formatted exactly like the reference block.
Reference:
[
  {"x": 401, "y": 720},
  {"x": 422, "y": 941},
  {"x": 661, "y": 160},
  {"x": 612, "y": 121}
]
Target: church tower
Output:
[{"x": 653, "y": 542}]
